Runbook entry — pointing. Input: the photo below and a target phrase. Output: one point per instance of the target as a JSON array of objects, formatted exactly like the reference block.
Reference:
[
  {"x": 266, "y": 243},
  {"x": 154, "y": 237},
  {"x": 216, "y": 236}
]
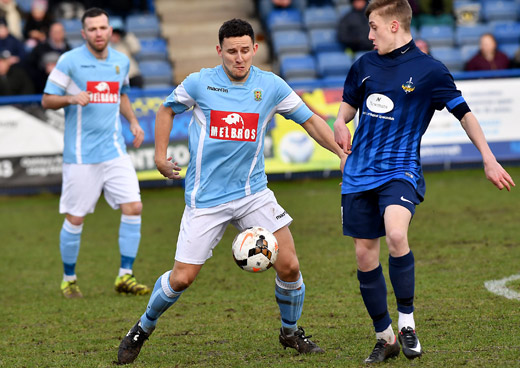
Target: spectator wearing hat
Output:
[
  {"x": 14, "y": 80},
  {"x": 128, "y": 44},
  {"x": 45, "y": 55},
  {"x": 11, "y": 43}
]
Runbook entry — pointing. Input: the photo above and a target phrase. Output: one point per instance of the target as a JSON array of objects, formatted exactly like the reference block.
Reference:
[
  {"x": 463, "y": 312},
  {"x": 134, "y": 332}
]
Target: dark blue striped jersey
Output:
[{"x": 396, "y": 95}]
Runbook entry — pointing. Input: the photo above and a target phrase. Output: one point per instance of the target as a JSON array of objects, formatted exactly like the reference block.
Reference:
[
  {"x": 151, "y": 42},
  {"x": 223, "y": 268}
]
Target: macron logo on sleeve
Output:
[
  {"x": 233, "y": 126},
  {"x": 103, "y": 92}
]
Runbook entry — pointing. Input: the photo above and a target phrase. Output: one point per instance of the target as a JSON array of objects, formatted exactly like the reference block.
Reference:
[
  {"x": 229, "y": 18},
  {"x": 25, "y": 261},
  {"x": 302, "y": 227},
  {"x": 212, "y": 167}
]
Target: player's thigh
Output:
[
  {"x": 81, "y": 188},
  {"x": 120, "y": 182},
  {"x": 398, "y": 192},
  {"x": 201, "y": 230},
  {"x": 260, "y": 209},
  {"x": 361, "y": 217}
]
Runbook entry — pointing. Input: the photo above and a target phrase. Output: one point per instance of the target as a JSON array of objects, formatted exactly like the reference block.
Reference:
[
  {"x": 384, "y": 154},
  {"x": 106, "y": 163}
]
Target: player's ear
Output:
[
  {"x": 394, "y": 26},
  {"x": 219, "y": 50}
]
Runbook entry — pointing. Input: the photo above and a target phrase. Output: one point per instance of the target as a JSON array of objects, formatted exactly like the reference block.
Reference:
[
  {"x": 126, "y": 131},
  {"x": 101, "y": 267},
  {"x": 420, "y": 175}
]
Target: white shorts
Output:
[
  {"x": 202, "y": 228},
  {"x": 83, "y": 183}
]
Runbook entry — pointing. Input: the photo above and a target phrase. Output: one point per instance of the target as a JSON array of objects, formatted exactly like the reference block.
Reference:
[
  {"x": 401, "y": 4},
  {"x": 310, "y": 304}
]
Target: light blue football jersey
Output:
[
  {"x": 92, "y": 132},
  {"x": 226, "y": 134}
]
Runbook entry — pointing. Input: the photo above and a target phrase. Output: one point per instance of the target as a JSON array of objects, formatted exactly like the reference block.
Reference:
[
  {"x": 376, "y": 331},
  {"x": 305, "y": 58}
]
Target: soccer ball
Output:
[
  {"x": 255, "y": 249},
  {"x": 296, "y": 147}
]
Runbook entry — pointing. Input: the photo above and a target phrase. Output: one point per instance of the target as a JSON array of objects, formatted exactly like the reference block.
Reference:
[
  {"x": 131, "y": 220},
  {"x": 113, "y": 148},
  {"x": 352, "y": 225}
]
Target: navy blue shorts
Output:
[{"x": 362, "y": 213}]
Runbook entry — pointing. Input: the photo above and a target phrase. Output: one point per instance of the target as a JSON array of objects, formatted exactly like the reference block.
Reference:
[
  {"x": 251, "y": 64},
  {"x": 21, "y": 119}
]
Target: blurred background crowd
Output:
[{"x": 310, "y": 43}]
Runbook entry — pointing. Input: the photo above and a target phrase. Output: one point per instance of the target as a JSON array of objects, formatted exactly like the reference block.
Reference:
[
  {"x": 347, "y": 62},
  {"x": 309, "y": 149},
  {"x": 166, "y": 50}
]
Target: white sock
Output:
[
  {"x": 124, "y": 271},
  {"x": 406, "y": 320},
  {"x": 387, "y": 335},
  {"x": 69, "y": 277}
]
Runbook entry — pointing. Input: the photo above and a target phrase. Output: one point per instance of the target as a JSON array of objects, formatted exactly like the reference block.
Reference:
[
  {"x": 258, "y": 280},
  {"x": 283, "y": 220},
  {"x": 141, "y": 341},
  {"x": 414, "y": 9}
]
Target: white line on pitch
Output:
[{"x": 499, "y": 287}]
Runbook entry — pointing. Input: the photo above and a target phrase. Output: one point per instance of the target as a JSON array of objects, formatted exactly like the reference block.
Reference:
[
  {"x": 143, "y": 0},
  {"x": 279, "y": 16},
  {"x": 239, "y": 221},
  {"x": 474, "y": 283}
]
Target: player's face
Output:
[
  {"x": 96, "y": 31},
  {"x": 237, "y": 56},
  {"x": 381, "y": 33}
]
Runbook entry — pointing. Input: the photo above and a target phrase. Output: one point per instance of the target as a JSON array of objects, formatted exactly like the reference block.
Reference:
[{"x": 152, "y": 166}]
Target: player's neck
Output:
[
  {"x": 100, "y": 55},
  {"x": 402, "y": 40}
]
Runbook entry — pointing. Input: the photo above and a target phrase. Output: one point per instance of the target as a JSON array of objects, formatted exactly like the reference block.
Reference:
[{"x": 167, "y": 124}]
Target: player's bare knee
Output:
[
  {"x": 396, "y": 239},
  {"x": 132, "y": 208},
  {"x": 75, "y": 220}
]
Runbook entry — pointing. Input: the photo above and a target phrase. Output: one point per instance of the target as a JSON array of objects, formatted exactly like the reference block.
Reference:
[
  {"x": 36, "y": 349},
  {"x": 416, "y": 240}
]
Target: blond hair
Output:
[{"x": 398, "y": 9}]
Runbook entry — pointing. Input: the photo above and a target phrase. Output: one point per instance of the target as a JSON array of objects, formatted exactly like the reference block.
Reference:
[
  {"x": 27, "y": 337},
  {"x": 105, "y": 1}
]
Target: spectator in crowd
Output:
[
  {"x": 37, "y": 24},
  {"x": 14, "y": 80},
  {"x": 43, "y": 57},
  {"x": 128, "y": 44},
  {"x": 436, "y": 7},
  {"x": 423, "y": 45},
  {"x": 353, "y": 28},
  {"x": 488, "y": 57},
  {"x": 12, "y": 14},
  {"x": 11, "y": 43}
]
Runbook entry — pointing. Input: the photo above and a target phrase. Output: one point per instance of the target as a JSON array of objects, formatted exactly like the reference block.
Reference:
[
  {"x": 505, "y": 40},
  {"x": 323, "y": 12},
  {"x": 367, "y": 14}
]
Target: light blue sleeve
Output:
[
  {"x": 54, "y": 84},
  {"x": 184, "y": 96},
  {"x": 300, "y": 113}
]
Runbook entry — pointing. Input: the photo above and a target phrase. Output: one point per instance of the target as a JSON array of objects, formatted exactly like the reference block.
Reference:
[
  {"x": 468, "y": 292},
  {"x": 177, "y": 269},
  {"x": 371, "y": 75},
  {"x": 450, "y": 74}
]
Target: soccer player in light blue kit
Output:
[
  {"x": 226, "y": 181},
  {"x": 90, "y": 83},
  {"x": 396, "y": 90}
]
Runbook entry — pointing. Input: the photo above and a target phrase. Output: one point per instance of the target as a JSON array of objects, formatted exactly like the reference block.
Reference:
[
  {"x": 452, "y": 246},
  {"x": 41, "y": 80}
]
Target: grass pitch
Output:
[{"x": 465, "y": 233}]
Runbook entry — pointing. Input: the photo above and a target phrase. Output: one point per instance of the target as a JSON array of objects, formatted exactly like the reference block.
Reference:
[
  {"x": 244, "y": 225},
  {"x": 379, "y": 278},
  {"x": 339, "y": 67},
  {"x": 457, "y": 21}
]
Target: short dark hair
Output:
[
  {"x": 92, "y": 13},
  {"x": 235, "y": 28}
]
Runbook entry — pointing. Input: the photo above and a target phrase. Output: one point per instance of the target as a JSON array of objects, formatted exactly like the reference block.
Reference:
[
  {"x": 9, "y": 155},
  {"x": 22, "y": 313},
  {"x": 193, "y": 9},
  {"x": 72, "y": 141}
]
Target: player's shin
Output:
[
  {"x": 402, "y": 276},
  {"x": 129, "y": 238},
  {"x": 162, "y": 298},
  {"x": 373, "y": 290},
  {"x": 70, "y": 237},
  {"x": 290, "y": 297}
]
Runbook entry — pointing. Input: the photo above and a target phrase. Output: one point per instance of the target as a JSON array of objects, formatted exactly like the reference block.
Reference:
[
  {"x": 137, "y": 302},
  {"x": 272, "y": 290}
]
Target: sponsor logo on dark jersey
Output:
[
  {"x": 233, "y": 126},
  {"x": 103, "y": 92}
]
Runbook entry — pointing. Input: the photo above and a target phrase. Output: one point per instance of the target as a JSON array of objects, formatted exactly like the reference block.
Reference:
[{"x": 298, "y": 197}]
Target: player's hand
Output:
[
  {"x": 138, "y": 133},
  {"x": 82, "y": 98},
  {"x": 342, "y": 136},
  {"x": 169, "y": 169},
  {"x": 498, "y": 176}
]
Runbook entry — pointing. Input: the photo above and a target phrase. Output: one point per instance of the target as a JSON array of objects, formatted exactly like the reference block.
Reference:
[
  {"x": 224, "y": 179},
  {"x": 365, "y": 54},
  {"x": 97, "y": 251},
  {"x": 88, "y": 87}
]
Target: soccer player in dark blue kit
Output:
[{"x": 396, "y": 89}]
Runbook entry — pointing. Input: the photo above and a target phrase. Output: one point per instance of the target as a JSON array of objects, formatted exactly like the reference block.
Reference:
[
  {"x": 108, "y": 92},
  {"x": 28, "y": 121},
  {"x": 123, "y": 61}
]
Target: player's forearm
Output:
[
  {"x": 55, "y": 102},
  {"x": 126, "y": 109},
  {"x": 476, "y": 135},
  {"x": 163, "y": 127},
  {"x": 346, "y": 113},
  {"x": 321, "y": 133}
]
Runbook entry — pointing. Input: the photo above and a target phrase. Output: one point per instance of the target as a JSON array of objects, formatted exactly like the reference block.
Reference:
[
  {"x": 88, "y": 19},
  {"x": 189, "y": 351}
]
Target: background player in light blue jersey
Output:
[
  {"x": 226, "y": 181},
  {"x": 90, "y": 83},
  {"x": 396, "y": 90}
]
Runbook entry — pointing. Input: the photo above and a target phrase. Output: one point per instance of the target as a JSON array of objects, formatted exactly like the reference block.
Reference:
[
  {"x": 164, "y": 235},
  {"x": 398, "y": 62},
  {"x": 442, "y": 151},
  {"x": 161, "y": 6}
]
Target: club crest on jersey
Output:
[
  {"x": 103, "y": 92},
  {"x": 408, "y": 86},
  {"x": 258, "y": 94},
  {"x": 233, "y": 126},
  {"x": 117, "y": 69}
]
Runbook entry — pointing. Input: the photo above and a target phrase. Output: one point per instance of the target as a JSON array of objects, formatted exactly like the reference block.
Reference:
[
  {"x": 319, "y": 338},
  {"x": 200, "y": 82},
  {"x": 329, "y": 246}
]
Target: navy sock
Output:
[
  {"x": 402, "y": 276},
  {"x": 373, "y": 290}
]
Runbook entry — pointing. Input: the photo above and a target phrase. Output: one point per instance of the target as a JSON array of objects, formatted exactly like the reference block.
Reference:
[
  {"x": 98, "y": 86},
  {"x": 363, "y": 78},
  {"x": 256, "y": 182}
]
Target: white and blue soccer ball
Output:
[
  {"x": 296, "y": 147},
  {"x": 255, "y": 249}
]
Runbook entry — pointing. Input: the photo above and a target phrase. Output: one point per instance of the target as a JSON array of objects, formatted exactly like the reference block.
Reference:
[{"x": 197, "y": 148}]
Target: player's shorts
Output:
[
  {"x": 362, "y": 213},
  {"x": 83, "y": 183},
  {"x": 203, "y": 228}
]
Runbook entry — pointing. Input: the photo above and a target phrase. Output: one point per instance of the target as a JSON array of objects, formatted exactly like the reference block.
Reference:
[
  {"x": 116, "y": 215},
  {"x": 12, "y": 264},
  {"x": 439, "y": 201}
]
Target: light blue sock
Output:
[
  {"x": 163, "y": 297},
  {"x": 290, "y": 296},
  {"x": 129, "y": 237},
  {"x": 70, "y": 237}
]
